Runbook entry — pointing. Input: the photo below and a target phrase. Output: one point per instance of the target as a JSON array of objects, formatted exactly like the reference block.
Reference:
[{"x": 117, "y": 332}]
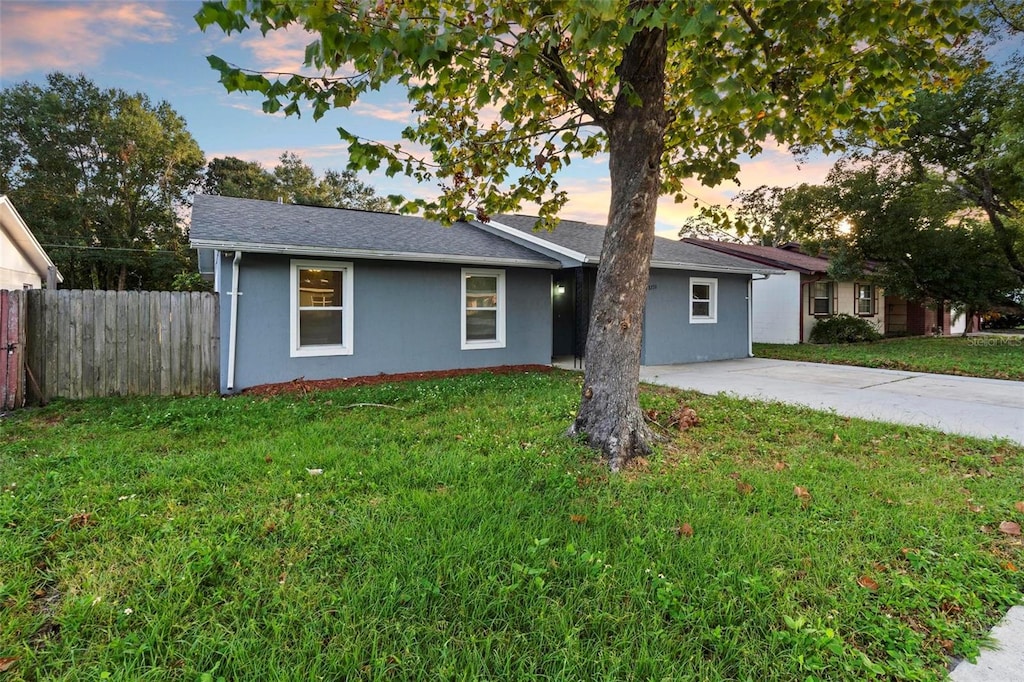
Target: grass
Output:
[
  {"x": 994, "y": 357},
  {"x": 462, "y": 537}
]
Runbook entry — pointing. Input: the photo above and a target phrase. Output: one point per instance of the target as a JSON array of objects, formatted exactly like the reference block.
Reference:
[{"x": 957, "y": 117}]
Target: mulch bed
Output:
[{"x": 303, "y": 386}]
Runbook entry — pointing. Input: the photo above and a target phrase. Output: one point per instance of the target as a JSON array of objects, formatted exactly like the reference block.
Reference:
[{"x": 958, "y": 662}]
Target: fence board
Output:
[
  {"x": 33, "y": 355},
  {"x": 81, "y": 344},
  {"x": 11, "y": 375},
  {"x": 64, "y": 332}
]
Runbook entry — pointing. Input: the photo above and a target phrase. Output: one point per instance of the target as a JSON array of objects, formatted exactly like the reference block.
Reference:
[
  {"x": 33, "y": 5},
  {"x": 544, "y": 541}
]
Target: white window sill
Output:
[{"x": 319, "y": 351}]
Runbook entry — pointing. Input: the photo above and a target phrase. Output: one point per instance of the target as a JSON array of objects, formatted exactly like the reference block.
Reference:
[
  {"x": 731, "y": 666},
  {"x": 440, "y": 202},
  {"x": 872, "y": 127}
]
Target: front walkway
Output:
[{"x": 987, "y": 408}]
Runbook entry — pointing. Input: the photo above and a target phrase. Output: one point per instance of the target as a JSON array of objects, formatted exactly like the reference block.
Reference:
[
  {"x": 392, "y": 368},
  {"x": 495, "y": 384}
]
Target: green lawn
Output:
[
  {"x": 461, "y": 536},
  {"x": 995, "y": 357}
]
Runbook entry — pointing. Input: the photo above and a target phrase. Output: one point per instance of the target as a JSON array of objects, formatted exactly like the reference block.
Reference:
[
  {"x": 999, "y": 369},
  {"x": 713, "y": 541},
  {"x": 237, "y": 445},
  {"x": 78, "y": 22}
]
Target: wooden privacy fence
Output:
[{"x": 83, "y": 344}]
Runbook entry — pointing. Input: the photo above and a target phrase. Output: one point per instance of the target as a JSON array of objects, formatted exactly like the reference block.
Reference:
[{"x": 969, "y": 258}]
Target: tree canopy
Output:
[
  {"x": 100, "y": 176},
  {"x": 506, "y": 94},
  {"x": 293, "y": 181}
]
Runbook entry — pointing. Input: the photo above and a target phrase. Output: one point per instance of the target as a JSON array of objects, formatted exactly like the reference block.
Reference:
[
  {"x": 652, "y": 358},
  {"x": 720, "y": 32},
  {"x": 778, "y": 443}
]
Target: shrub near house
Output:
[{"x": 843, "y": 328}]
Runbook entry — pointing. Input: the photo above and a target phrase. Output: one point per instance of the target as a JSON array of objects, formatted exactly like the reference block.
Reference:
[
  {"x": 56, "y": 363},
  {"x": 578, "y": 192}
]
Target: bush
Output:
[{"x": 844, "y": 329}]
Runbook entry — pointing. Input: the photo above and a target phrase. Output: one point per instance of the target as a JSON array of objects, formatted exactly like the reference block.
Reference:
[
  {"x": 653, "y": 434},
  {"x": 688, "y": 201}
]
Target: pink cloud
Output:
[
  {"x": 55, "y": 36},
  {"x": 283, "y": 50},
  {"x": 396, "y": 113}
]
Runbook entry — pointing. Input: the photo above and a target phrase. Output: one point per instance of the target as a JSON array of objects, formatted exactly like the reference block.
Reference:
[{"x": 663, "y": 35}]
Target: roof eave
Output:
[
  {"x": 532, "y": 238},
  {"x": 676, "y": 265},
  {"x": 368, "y": 254}
]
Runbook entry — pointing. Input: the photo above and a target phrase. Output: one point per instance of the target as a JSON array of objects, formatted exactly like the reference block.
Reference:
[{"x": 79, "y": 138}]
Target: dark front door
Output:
[{"x": 563, "y": 308}]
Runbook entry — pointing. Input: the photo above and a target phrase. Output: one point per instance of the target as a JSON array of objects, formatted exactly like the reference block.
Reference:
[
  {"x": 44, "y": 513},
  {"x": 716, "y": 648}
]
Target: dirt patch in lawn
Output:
[{"x": 302, "y": 386}]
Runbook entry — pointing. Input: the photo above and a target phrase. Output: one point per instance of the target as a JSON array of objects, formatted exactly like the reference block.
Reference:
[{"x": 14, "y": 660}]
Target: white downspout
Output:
[
  {"x": 750, "y": 317},
  {"x": 233, "y": 328}
]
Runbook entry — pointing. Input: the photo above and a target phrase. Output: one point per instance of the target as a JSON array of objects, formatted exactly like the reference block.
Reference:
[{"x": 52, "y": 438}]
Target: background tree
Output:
[
  {"x": 971, "y": 141},
  {"x": 768, "y": 216},
  {"x": 508, "y": 93},
  {"x": 924, "y": 239},
  {"x": 232, "y": 177},
  {"x": 293, "y": 181},
  {"x": 100, "y": 176}
]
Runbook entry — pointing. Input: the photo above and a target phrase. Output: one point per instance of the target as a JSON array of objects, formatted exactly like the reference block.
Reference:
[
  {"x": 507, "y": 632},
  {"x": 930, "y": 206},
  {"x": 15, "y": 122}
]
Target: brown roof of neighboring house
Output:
[{"x": 785, "y": 258}]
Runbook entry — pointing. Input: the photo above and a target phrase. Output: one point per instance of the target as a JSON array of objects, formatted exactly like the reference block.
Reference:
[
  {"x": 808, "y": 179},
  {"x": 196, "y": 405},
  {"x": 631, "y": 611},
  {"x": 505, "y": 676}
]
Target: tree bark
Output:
[{"x": 609, "y": 415}]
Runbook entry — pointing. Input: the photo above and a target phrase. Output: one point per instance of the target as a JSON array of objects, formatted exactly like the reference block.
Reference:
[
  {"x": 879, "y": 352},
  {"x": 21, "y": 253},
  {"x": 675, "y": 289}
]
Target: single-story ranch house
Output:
[{"x": 325, "y": 293}]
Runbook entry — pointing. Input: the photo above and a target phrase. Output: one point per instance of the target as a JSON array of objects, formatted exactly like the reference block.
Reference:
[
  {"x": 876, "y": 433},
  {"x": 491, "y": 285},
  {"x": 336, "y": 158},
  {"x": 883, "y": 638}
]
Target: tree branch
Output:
[{"x": 570, "y": 88}]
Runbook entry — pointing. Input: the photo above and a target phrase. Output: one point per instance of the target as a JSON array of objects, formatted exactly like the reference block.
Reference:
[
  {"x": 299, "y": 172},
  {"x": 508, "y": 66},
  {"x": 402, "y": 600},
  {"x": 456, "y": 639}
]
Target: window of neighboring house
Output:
[
  {"x": 703, "y": 300},
  {"x": 820, "y": 302},
  {"x": 483, "y": 309},
  {"x": 865, "y": 299},
  {"x": 321, "y": 308}
]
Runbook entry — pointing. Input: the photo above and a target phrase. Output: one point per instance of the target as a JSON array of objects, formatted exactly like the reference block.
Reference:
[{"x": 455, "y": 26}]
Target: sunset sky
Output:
[{"x": 155, "y": 47}]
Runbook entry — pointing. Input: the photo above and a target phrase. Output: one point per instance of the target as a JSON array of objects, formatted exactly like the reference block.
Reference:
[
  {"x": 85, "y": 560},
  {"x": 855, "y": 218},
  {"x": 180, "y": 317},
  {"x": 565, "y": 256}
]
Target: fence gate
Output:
[{"x": 12, "y": 350}]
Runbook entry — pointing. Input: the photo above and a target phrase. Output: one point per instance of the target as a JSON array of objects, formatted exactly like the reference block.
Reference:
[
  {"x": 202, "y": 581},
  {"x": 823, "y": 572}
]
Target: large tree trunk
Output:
[{"x": 609, "y": 414}]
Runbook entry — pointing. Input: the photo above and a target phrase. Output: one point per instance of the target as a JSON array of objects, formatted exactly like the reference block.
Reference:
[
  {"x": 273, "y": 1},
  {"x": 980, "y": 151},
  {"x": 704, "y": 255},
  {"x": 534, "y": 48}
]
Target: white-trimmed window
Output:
[
  {"x": 865, "y": 299},
  {"x": 819, "y": 301},
  {"x": 321, "y": 308},
  {"x": 483, "y": 309},
  {"x": 703, "y": 300}
]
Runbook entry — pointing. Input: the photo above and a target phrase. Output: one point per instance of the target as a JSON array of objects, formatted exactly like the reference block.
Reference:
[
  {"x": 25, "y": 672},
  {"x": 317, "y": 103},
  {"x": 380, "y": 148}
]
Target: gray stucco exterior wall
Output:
[
  {"x": 670, "y": 337},
  {"x": 406, "y": 319}
]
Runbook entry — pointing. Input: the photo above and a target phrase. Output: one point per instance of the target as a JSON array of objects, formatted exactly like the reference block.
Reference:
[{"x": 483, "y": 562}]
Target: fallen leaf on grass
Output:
[
  {"x": 803, "y": 494},
  {"x": 744, "y": 488},
  {"x": 867, "y": 583},
  {"x": 578, "y": 518},
  {"x": 836, "y": 438},
  {"x": 975, "y": 508},
  {"x": 685, "y": 530},
  {"x": 1010, "y": 566},
  {"x": 779, "y": 466},
  {"x": 997, "y": 459},
  {"x": 947, "y": 645},
  {"x": 1019, "y": 506},
  {"x": 1009, "y": 528},
  {"x": 81, "y": 520},
  {"x": 314, "y": 472},
  {"x": 684, "y": 418},
  {"x": 7, "y": 663}
]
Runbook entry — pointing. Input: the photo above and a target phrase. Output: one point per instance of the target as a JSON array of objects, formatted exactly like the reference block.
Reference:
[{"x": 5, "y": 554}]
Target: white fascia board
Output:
[
  {"x": 532, "y": 238},
  {"x": 675, "y": 265},
  {"x": 22, "y": 237},
  {"x": 368, "y": 254}
]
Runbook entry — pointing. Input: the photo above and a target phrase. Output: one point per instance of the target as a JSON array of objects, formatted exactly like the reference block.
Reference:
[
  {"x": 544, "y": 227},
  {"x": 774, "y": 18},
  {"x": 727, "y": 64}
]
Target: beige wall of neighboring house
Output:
[
  {"x": 16, "y": 271},
  {"x": 23, "y": 262},
  {"x": 821, "y": 298}
]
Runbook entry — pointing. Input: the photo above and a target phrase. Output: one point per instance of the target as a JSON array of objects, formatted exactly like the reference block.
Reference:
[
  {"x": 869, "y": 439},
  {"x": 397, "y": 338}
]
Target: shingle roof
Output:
[
  {"x": 768, "y": 255},
  {"x": 587, "y": 239},
  {"x": 229, "y": 223}
]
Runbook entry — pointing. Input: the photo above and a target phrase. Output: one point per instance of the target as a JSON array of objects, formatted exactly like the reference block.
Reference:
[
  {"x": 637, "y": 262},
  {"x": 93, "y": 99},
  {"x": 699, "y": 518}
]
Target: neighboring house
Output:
[
  {"x": 787, "y": 306},
  {"x": 23, "y": 262},
  {"x": 323, "y": 293}
]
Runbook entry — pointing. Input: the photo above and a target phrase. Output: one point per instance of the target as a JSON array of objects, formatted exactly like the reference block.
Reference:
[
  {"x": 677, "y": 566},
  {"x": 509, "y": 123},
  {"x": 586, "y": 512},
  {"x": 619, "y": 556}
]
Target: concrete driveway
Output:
[{"x": 988, "y": 408}]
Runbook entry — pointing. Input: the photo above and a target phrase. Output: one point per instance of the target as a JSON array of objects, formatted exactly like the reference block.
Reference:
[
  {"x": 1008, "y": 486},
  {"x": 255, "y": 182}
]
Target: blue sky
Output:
[{"x": 156, "y": 48}]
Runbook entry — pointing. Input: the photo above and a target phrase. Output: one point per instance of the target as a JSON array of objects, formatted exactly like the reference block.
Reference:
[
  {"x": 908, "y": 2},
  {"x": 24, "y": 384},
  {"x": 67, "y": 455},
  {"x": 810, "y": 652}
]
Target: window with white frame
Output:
[
  {"x": 865, "y": 299},
  {"x": 703, "y": 300},
  {"x": 483, "y": 309},
  {"x": 321, "y": 308},
  {"x": 820, "y": 299}
]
